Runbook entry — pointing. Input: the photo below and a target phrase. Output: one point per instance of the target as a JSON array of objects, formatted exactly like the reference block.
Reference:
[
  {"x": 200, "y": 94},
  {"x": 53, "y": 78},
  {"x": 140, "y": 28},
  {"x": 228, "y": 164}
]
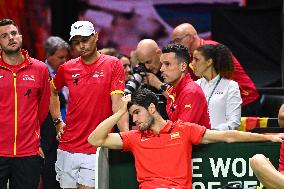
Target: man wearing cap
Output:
[
  {"x": 56, "y": 52},
  {"x": 96, "y": 84}
]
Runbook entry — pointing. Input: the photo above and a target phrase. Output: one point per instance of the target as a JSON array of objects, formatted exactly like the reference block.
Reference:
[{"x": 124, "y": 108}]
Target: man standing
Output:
[
  {"x": 96, "y": 84},
  {"x": 162, "y": 149},
  {"x": 186, "y": 35},
  {"x": 24, "y": 102},
  {"x": 186, "y": 99},
  {"x": 57, "y": 52}
]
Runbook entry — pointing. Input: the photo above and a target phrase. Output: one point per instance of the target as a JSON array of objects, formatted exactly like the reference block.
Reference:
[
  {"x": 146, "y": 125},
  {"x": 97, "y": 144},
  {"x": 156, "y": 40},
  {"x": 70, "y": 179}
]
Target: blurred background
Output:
[{"x": 252, "y": 29}]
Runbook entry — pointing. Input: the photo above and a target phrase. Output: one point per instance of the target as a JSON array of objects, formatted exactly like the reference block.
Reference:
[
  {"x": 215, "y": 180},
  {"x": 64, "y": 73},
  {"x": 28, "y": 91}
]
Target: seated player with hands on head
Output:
[{"x": 159, "y": 141}]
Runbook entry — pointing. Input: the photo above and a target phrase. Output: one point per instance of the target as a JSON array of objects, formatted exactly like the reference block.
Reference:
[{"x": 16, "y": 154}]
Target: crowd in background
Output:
[{"x": 194, "y": 80}]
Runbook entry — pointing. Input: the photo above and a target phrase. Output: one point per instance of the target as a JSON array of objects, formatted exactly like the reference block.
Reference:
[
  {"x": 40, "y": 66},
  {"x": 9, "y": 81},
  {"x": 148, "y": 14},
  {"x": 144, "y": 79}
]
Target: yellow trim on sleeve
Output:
[{"x": 116, "y": 92}]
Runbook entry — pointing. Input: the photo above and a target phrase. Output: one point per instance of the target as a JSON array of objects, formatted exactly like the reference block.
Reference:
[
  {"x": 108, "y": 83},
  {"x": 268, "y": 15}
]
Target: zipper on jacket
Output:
[{"x": 16, "y": 112}]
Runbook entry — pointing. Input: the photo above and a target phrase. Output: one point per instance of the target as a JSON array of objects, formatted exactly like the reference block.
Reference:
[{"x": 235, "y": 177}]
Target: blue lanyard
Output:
[{"x": 214, "y": 89}]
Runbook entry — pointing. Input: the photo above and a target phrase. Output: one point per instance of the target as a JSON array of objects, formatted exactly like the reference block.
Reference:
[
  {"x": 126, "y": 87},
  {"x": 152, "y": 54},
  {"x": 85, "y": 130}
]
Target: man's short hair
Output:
[
  {"x": 143, "y": 97},
  {"x": 7, "y": 21},
  {"x": 53, "y": 43},
  {"x": 181, "y": 52}
]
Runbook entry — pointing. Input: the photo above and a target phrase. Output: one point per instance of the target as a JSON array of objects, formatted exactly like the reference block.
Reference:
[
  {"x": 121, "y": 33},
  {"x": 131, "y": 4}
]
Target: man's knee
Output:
[{"x": 257, "y": 160}]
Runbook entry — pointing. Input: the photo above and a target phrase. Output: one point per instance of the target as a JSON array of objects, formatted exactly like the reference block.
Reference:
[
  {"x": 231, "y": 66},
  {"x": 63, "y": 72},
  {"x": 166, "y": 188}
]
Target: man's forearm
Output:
[
  {"x": 54, "y": 106},
  {"x": 239, "y": 136},
  {"x": 123, "y": 123},
  {"x": 98, "y": 136}
]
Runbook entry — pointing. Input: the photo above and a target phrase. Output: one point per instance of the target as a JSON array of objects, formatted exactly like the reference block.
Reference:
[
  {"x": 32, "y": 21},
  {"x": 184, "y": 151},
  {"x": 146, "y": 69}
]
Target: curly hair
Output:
[
  {"x": 143, "y": 97},
  {"x": 221, "y": 57}
]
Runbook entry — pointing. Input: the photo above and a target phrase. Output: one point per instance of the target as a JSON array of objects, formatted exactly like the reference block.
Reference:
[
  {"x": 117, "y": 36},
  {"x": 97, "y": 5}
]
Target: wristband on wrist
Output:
[
  {"x": 56, "y": 121},
  {"x": 163, "y": 87}
]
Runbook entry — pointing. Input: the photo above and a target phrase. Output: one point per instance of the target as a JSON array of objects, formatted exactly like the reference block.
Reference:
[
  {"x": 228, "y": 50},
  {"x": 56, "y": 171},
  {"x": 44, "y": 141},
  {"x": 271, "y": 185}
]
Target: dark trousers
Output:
[
  {"x": 22, "y": 172},
  {"x": 49, "y": 146}
]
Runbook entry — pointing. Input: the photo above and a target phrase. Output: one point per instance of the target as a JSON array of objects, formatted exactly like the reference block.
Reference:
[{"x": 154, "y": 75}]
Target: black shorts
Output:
[{"x": 22, "y": 172}]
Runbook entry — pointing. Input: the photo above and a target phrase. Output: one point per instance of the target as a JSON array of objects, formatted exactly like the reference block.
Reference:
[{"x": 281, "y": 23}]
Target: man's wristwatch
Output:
[
  {"x": 163, "y": 87},
  {"x": 56, "y": 121}
]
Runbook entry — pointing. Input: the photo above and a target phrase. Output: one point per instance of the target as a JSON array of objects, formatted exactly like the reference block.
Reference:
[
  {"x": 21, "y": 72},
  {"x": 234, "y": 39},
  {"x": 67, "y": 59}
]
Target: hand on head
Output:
[{"x": 124, "y": 101}]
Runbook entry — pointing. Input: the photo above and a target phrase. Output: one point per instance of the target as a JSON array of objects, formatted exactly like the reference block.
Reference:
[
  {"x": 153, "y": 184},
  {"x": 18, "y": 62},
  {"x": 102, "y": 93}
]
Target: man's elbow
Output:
[{"x": 94, "y": 142}]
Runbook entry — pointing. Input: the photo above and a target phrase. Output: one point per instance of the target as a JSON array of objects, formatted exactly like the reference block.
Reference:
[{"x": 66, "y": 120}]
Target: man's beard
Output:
[
  {"x": 148, "y": 124},
  {"x": 12, "y": 51}
]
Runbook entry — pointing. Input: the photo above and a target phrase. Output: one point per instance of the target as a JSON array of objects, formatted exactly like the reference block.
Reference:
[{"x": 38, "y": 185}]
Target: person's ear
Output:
[
  {"x": 47, "y": 55},
  {"x": 183, "y": 66},
  {"x": 152, "y": 108},
  {"x": 209, "y": 62},
  {"x": 96, "y": 36},
  {"x": 159, "y": 52}
]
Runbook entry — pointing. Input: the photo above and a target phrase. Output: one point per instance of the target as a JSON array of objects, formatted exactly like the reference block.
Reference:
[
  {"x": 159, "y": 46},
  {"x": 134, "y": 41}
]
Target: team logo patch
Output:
[
  {"x": 173, "y": 107},
  {"x": 219, "y": 93},
  {"x": 28, "y": 77},
  {"x": 75, "y": 81},
  {"x": 27, "y": 94},
  {"x": 98, "y": 74},
  {"x": 187, "y": 106},
  {"x": 78, "y": 27},
  {"x": 144, "y": 139},
  {"x": 175, "y": 135},
  {"x": 75, "y": 75}
]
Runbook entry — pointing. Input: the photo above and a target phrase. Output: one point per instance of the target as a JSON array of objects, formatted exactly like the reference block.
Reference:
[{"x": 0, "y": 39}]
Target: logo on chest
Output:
[
  {"x": 218, "y": 93},
  {"x": 76, "y": 79},
  {"x": 27, "y": 94},
  {"x": 98, "y": 74},
  {"x": 75, "y": 75},
  {"x": 175, "y": 135},
  {"x": 173, "y": 107},
  {"x": 28, "y": 77}
]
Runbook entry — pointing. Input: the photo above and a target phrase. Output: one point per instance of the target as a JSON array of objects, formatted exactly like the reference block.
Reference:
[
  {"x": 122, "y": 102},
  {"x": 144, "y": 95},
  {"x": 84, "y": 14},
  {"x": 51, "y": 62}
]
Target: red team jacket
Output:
[{"x": 24, "y": 104}]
